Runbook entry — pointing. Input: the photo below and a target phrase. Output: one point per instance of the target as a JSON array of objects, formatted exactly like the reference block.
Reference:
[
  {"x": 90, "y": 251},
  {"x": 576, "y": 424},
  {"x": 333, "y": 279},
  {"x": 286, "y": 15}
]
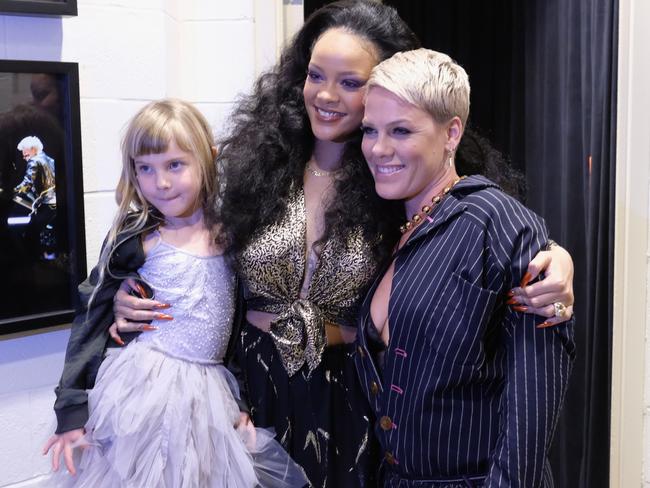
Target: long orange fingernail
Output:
[
  {"x": 164, "y": 316},
  {"x": 119, "y": 341},
  {"x": 512, "y": 301},
  {"x": 544, "y": 325},
  {"x": 149, "y": 327},
  {"x": 159, "y": 306},
  {"x": 141, "y": 291},
  {"x": 524, "y": 281},
  {"x": 519, "y": 308}
]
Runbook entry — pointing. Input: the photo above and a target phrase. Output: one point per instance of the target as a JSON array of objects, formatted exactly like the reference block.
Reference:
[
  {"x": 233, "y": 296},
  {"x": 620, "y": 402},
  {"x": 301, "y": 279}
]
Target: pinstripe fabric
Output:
[{"x": 468, "y": 386}]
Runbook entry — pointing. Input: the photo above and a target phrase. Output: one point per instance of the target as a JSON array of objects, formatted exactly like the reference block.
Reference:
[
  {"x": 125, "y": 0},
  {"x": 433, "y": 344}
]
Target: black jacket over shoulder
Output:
[{"x": 89, "y": 337}]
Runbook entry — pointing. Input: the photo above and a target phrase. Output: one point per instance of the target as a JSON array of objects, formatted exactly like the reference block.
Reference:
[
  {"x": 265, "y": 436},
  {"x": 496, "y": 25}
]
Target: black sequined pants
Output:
[{"x": 322, "y": 420}]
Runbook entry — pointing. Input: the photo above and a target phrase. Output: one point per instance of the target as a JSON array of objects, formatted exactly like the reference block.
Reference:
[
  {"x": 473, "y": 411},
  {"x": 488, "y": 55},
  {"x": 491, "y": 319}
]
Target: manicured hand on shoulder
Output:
[{"x": 551, "y": 296}]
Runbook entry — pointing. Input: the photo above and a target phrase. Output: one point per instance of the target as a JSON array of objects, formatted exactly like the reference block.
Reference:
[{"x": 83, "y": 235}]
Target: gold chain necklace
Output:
[{"x": 427, "y": 209}]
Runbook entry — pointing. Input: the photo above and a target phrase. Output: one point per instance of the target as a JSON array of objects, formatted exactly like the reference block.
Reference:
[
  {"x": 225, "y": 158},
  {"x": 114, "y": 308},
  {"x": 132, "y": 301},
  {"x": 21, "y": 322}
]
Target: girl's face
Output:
[
  {"x": 406, "y": 149},
  {"x": 170, "y": 181},
  {"x": 338, "y": 70}
]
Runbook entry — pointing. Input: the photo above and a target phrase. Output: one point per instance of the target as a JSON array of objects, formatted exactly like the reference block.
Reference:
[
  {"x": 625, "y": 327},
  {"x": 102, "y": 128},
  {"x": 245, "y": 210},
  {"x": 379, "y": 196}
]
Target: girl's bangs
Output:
[
  {"x": 151, "y": 139},
  {"x": 155, "y": 139}
]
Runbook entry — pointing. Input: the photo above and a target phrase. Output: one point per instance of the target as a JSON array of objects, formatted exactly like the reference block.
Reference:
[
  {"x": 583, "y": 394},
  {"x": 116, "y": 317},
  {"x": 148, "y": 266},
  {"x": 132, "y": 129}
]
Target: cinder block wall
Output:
[{"x": 129, "y": 52}]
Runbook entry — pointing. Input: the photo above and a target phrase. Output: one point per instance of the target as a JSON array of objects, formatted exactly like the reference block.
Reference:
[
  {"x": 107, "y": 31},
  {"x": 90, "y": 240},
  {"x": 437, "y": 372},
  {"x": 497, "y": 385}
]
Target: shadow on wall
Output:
[{"x": 32, "y": 361}]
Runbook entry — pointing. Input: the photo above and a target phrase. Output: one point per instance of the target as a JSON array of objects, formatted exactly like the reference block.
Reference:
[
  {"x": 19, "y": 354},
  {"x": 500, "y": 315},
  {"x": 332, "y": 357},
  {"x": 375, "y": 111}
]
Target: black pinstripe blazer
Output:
[{"x": 469, "y": 389}]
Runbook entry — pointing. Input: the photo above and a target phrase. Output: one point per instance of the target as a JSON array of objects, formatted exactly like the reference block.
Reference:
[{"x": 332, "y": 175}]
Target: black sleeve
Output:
[
  {"x": 86, "y": 346},
  {"x": 234, "y": 355},
  {"x": 538, "y": 362},
  {"x": 89, "y": 335}
]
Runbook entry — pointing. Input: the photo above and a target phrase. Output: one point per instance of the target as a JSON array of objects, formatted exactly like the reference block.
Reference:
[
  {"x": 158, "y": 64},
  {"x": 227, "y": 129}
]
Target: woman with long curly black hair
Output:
[
  {"x": 301, "y": 214},
  {"x": 299, "y": 211}
]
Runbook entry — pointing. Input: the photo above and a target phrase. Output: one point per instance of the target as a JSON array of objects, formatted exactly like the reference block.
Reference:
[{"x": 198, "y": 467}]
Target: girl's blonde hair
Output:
[{"x": 151, "y": 131}]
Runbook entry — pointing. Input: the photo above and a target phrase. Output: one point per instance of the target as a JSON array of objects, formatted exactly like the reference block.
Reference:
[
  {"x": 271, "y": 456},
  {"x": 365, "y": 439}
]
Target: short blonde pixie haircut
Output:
[{"x": 427, "y": 79}]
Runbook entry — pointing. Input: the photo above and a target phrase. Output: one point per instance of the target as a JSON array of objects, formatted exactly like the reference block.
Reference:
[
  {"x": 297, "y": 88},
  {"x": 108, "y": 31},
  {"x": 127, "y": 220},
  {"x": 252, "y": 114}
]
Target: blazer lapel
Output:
[{"x": 451, "y": 206}]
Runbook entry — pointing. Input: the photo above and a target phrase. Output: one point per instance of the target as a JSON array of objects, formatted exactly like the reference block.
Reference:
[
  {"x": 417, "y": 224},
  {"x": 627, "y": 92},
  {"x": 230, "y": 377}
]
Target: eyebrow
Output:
[
  {"x": 392, "y": 122},
  {"x": 169, "y": 160},
  {"x": 345, "y": 73}
]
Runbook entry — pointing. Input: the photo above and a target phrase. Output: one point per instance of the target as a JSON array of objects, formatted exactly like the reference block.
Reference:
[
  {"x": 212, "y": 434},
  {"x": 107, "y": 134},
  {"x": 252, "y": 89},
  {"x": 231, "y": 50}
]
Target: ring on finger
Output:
[{"x": 560, "y": 310}]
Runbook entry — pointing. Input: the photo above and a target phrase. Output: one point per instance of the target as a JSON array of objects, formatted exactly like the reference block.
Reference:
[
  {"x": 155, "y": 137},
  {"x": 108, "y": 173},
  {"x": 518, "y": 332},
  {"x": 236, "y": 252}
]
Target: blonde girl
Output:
[{"x": 162, "y": 411}]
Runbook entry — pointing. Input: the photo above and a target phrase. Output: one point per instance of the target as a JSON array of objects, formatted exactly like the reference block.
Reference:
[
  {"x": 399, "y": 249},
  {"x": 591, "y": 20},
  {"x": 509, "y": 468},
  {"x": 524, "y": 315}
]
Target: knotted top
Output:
[{"x": 273, "y": 269}]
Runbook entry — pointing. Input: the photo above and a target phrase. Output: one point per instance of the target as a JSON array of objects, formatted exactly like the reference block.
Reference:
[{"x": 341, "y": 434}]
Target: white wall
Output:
[
  {"x": 129, "y": 52},
  {"x": 630, "y": 428}
]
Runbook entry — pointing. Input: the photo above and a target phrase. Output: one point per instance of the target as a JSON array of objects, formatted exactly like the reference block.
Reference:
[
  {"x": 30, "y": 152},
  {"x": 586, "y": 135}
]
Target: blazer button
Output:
[
  {"x": 386, "y": 423},
  {"x": 390, "y": 459},
  {"x": 374, "y": 388},
  {"x": 361, "y": 353}
]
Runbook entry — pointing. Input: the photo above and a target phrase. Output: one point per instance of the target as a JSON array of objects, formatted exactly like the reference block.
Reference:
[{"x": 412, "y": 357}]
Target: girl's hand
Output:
[
  {"x": 137, "y": 310},
  {"x": 556, "y": 287},
  {"x": 246, "y": 430},
  {"x": 63, "y": 443}
]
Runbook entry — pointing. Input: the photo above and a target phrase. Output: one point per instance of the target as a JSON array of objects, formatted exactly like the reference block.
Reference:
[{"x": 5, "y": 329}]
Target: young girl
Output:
[{"x": 163, "y": 410}]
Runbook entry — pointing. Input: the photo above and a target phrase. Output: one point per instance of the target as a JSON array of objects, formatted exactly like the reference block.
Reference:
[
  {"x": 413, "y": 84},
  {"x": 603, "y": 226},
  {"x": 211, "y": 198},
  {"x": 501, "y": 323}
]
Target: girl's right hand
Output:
[
  {"x": 63, "y": 443},
  {"x": 132, "y": 313},
  {"x": 246, "y": 430}
]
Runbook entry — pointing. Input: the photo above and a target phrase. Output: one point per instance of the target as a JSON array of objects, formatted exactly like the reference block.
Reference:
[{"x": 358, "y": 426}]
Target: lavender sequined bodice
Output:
[{"x": 201, "y": 291}]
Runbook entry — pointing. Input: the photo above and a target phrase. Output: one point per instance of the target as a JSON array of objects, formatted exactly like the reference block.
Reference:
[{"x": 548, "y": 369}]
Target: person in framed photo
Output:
[{"x": 38, "y": 190}]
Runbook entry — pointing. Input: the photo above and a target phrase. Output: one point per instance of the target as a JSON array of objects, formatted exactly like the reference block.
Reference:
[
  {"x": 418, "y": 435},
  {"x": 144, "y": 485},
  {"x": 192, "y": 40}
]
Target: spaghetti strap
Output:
[{"x": 156, "y": 235}]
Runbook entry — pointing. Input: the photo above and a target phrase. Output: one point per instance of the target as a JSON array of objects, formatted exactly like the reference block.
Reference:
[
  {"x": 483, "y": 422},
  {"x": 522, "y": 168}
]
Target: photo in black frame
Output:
[
  {"x": 39, "y": 7},
  {"x": 42, "y": 239}
]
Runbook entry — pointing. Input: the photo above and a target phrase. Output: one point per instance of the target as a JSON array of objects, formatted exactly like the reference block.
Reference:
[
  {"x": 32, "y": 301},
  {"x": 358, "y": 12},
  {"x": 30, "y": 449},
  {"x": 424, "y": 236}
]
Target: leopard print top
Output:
[{"x": 273, "y": 269}]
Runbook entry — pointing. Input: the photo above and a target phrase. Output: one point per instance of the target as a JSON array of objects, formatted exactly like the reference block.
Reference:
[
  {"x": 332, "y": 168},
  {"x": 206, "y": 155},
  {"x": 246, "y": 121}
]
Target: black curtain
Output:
[
  {"x": 543, "y": 76},
  {"x": 486, "y": 38},
  {"x": 570, "y": 121},
  {"x": 310, "y": 5}
]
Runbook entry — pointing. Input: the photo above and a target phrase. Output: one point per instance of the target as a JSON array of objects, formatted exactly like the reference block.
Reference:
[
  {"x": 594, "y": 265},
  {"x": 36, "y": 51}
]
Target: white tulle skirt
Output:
[{"x": 160, "y": 421}]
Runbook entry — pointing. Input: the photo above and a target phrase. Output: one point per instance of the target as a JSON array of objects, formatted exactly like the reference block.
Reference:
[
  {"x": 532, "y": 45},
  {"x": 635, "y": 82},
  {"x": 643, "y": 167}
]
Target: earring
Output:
[{"x": 451, "y": 158}]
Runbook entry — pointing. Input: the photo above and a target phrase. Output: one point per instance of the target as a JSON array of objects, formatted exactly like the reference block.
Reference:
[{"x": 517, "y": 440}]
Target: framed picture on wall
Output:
[
  {"x": 39, "y": 7},
  {"x": 42, "y": 241}
]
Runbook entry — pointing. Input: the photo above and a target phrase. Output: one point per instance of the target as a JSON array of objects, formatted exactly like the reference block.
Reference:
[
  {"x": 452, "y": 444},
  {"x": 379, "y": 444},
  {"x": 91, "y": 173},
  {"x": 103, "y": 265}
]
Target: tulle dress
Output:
[{"x": 162, "y": 410}]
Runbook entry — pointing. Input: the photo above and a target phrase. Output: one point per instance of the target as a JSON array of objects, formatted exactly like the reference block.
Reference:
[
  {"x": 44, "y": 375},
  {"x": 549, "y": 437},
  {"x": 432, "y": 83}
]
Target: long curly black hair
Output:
[
  {"x": 477, "y": 156},
  {"x": 270, "y": 140}
]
